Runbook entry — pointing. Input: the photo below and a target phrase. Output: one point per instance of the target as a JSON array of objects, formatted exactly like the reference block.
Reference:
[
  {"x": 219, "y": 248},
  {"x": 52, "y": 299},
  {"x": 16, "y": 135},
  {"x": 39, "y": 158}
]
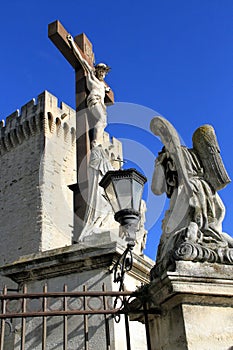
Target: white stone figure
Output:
[
  {"x": 97, "y": 90},
  {"x": 99, "y": 215},
  {"x": 141, "y": 233},
  {"x": 191, "y": 179}
]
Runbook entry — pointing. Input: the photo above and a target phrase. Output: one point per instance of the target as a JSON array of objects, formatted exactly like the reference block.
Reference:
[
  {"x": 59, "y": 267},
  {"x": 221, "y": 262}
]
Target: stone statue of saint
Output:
[
  {"x": 97, "y": 90},
  {"x": 141, "y": 233},
  {"x": 192, "y": 227},
  {"x": 99, "y": 215}
]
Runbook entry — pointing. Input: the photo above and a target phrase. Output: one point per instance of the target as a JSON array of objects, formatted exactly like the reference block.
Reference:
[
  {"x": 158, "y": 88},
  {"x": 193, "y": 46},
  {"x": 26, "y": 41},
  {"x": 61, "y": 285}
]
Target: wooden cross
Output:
[{"x": 58, "y": 35}]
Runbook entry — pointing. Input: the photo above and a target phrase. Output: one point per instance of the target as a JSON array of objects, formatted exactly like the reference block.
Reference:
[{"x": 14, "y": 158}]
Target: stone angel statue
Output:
[{"x": 192, "y": 226}]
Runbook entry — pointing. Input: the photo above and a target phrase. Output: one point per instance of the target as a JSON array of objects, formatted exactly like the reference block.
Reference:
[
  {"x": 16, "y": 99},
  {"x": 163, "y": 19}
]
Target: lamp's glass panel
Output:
[
  {"x": 137, "y": 194},
  {"x": 123, "y": 189},
  {"x": 112, "y": 197}
]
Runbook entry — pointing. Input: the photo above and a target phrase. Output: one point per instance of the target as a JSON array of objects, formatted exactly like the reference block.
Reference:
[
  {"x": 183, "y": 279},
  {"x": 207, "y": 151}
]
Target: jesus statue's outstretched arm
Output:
[{"x": 77, "y": 53}]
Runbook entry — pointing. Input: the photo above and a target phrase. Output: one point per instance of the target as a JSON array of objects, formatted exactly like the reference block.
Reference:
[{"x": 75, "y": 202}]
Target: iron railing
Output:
[{"x": 20, "y": 310}]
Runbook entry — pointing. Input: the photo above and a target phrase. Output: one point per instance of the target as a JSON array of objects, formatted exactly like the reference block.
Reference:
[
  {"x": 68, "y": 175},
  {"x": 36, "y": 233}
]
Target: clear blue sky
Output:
[{"x": 174, "y": 57}]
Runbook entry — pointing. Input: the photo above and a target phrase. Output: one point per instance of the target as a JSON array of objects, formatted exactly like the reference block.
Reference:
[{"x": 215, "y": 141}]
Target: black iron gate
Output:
[{"x": 26, "y": 315}]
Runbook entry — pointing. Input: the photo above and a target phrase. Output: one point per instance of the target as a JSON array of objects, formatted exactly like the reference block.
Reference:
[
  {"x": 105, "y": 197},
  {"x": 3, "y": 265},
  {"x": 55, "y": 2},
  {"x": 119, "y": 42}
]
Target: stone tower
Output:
[{"x": 37, "y": 146}]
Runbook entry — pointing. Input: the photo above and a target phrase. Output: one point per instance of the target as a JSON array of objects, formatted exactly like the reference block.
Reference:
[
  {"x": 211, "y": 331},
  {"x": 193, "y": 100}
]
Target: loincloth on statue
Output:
[{"x": 98, "y": 109}]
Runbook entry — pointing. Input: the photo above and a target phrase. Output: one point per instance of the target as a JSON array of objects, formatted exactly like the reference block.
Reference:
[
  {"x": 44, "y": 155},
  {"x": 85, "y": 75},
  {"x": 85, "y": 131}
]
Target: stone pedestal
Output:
[{"x": 196, "y": 308}]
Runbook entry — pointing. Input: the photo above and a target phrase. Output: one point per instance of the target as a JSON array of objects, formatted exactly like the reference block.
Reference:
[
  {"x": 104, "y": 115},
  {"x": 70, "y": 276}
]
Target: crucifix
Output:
[{"x": 79, "y": 54}]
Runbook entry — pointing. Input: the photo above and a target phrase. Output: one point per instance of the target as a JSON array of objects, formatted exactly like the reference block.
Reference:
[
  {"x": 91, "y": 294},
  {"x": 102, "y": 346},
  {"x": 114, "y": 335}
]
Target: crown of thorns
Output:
[{"x": 102, "y": 66}]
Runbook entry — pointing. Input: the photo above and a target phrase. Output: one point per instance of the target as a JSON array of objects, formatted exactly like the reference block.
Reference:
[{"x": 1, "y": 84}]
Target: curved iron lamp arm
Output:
[{"x": 123, "y": 265}]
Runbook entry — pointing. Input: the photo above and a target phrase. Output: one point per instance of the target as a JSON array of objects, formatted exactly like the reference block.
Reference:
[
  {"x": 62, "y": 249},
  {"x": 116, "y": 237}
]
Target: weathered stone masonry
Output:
[{"x": 37, "y": 163}]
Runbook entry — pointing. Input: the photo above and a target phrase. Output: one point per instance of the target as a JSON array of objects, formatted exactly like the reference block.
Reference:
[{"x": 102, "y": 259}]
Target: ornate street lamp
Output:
[{"x": 123, "y": 190}]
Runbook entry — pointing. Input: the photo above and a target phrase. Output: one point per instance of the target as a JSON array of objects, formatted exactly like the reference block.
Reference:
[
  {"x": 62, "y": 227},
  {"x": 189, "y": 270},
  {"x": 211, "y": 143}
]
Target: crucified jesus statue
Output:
[
  {"x": 97, "y": 90},
  {"x": 91, "y": 96}
]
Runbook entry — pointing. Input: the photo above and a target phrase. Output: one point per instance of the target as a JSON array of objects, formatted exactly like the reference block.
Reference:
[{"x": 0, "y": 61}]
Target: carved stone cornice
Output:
[{"x": 76, "y": 258}]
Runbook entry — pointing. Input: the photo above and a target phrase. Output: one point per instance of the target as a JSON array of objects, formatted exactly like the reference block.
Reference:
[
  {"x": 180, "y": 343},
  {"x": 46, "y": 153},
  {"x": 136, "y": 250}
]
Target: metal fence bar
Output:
[
  {"x": 86, "y": 340},
  {"x": 3, "y": 321},
  {"x": 68, "y": 312},
  {"x": 127, "y": 333},
  {"x": 62, "y": 294},
  {"x": 106, "y": 320},
  {"x": 148, "y": 339},
  {"x": 23, "y": 321},
  {"x": 44, "y": 333},
  {"x": 65, "y": 319},
  {"x": 62, "y": 313}
]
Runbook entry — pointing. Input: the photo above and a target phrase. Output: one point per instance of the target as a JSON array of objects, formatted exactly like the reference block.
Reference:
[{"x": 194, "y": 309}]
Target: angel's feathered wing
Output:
[
  {"x": 164, "y": 129},
  {"x": 206, "y": 146}
]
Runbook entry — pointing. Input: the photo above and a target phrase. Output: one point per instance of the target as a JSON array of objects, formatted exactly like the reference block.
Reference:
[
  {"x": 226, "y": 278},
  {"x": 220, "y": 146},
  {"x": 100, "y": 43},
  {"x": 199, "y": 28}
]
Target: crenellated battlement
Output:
[
  {"x": 113, "y": 149},
  {"x": 42, "y": 114}
]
